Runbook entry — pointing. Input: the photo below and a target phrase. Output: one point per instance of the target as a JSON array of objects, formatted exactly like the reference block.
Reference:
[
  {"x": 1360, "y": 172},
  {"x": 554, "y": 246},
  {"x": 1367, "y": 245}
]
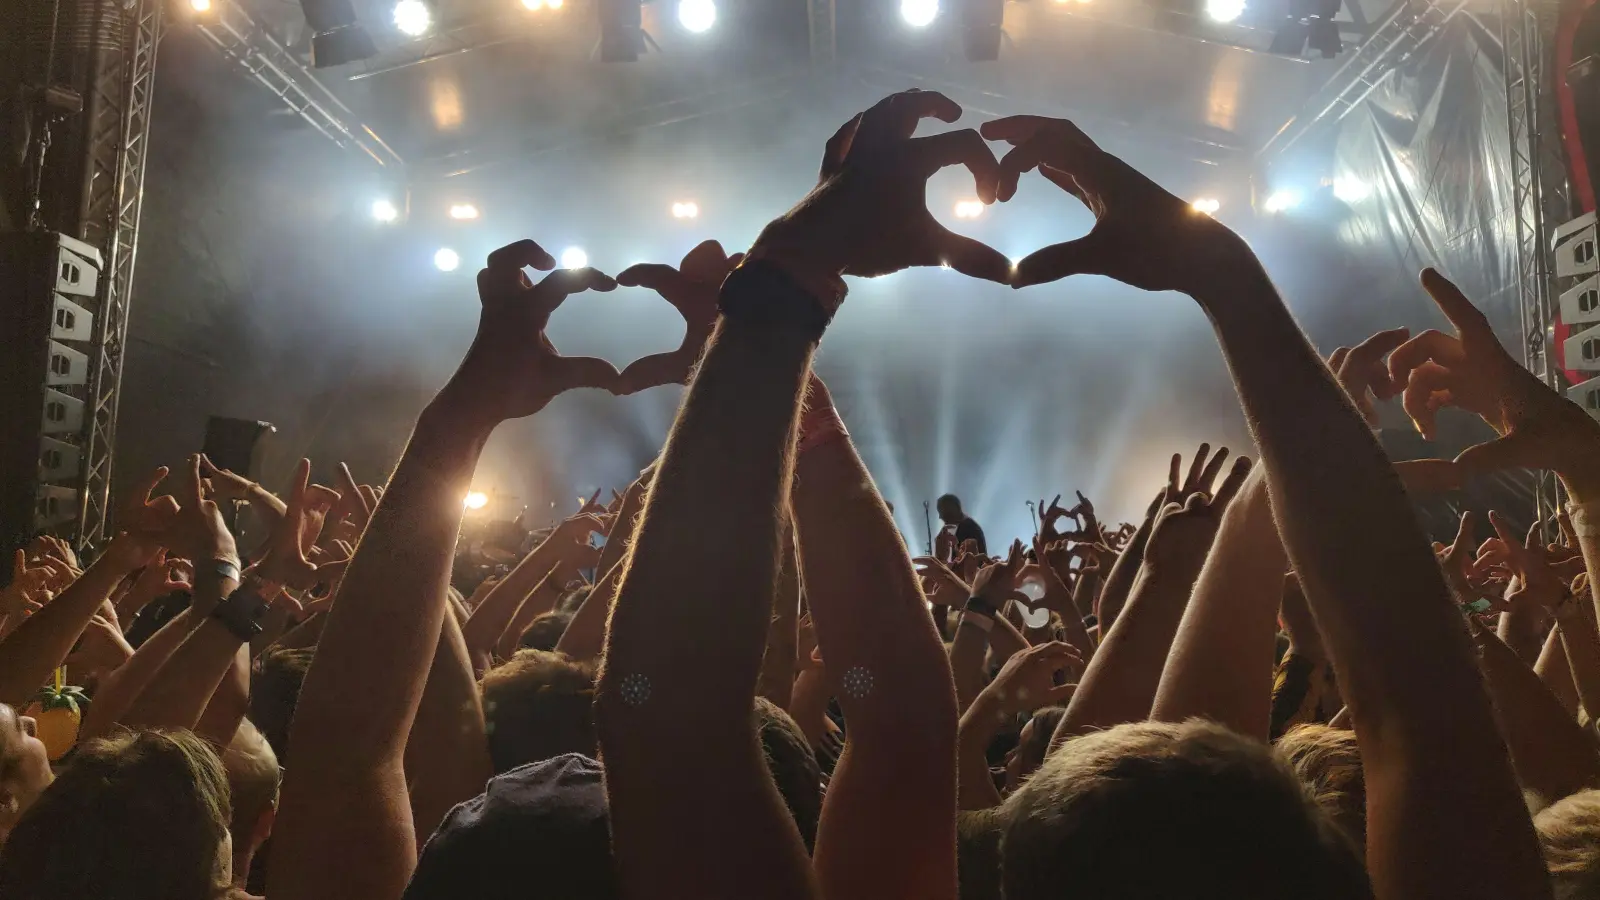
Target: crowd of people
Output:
[{"x": 1271, "y": 686}]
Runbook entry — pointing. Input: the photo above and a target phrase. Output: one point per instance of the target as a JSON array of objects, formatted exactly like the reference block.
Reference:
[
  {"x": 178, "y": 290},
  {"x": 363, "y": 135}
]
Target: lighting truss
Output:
[{"x": 235, "y": 32}]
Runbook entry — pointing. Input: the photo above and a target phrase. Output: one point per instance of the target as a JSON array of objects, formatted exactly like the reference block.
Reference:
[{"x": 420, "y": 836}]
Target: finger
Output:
[
  {"x": 837, "y": 150},
  {"x": 1059, "y": 694},
  {"x": 1466, "y": 317},
  {"x": 142, "y": 490},
  {"x": 655, "y": 276},
  {"x": 1534, "y": 542},
  {"x": 193, "y": 494},
  {"x": 564, "y": 283},
  {"x": 1016, "y": 129},
  {"x": 1337, "y": 358},
  {"x": 1231, "y": 484},
  {"x": 1174, "y": 469},
  {"x": 1514, "y": 451},
  {"x": 1427, "y": 379},
  {"x": 1432, "y": 344},
  {"x": 352, "y": 491},
  {"x": 321, "y": 498},
  {"x": 1464, "y": 532},
  {"x": 1379, "y": 346},
  {"x": 895, "y": 117},
  {"x": 971, "y": 257},
  {"x": 522, "y": 254},
  {"x": 583, "y": 371},
  {"x": 1208, "y": 477},
  {"x": 1058, "y": 261},
  {"x": 1514, "y": 548},
  {"x": 959, "y": 148},
  {"x": 1192, "y": 482}
]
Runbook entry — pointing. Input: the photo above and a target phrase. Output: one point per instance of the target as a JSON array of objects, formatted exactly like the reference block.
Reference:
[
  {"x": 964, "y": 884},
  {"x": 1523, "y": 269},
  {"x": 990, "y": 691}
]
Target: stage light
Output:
[
  {"x": 413, "y": 17},
  {"x": 968, "y": 209},
  {"x": 919, "y": 13},
  {"x": 533, "y": 5},
  {"x": 200, "y": 6},
  {"x": 475, "y": 500},
  {"x": 1351, "y": 190},
  {"x": 463, "y": 211},
  {"x": 1224, "y": 10},
  {"x": 1279, "y": 201},
  {"x": 446, "y": 259},
  {"x": 1207, "y": 205},
  {"x": 697, "y": 15},
  {"x": 688, "y": 209},
  {"x": 574, "y": 258},
  {"x": 385, "y": 211}
]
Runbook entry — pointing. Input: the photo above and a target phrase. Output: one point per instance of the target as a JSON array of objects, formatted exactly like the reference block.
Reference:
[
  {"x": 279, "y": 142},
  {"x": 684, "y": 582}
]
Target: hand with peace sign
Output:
[
  {"x": 868, "y": 214},
  {"x": 692, "y": 290},
  {"x": 512, "y": 369}
]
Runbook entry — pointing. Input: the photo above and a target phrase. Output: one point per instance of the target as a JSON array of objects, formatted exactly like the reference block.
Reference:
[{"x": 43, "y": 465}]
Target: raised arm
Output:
[
  {"x": 586, "y": 633},
  {"x": 1440, "y": 788},
  {"x": 447, "y": 753},
  {"x": 681, "y": 665},
  {"x": 344, "y": 825}
]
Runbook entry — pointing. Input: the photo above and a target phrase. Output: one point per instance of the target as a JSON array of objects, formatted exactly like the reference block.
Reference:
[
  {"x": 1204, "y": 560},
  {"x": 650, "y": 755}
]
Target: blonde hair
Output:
[
  {"x": 1328, "y": 763},
  {"x": 1163, "y": 810},
  {"x": 139, "y": 816},
  {"x": 1569, "y": 837}
]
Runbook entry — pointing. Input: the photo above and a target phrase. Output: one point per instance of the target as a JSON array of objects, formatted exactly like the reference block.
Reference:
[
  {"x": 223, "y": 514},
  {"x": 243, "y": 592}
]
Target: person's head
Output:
[
  {"x": 274, "y": 691},
  {"x": 253, "y": 781},
  {"x": 794, "y": 767},
  {"x": 1328, "y": 762},
  {"x": 538, "y": 705},
  {"x": 1569, "y": 836},
  {"x": 949, "y": 507},
  {"x": 1032, "y": 745},
  {"x": 1164, "y": 810},
  {"x": 24, "y": 767},
  {"x": 140, "y": 816},
  {"x": 545, "y": 631}
]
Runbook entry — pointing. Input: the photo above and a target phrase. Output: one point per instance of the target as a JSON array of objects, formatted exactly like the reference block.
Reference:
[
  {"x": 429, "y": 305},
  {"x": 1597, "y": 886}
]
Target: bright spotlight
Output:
[
  {"x": 200, "y": 6},
  {"x": 412, "y": 17},
  {"x": 574, "y": 258},
  {"x": 446, "y": 259},
  {"x": 1207, "y": 205},
  {"x": 969, "y": 209},
  {"x": 919, "y": 13},
  {"x": 688, "y": 209},
  {"x": 697, "y": 15},
  {"x": 382, "y": 210},
  {"x": 533, "y": 5},
  {"x": 1281, "y": 200},
  {"x": 552, "y": 4},
  {"x": 475, "y": 500},
  {"x": 463, "y": 211},
  {"x": 1224, "y": 10},
  {"x": 1351, "y": 190}
]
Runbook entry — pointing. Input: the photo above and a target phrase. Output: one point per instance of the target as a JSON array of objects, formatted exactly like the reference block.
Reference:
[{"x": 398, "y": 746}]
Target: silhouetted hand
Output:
[
  {"x": 1142, "y": 236},
  {"x": 1184, "y": 532},
  {"x": 1363, "y": 374},
  {"x": 692, "y": 290},
  {"x": 868, "y": 214},
  {"x": 512, "y": 369}
]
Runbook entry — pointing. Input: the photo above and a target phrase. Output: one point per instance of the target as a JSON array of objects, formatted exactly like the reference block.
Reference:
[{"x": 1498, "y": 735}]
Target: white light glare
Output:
[
  {"x": 446, "y": 259},
  {"x": 697, "y": 15},
  {"x": 463, "y": 211},
  {"x": 919, "y": 13},
  {"x": 536, "y": 5},
  {"x": 1224, "y": 10},
  {"x": 200, "y": 6},
  {"x": 1207, "y": 205},
  {"x": 969, "y": 209},
  {"x": 384, "y": 211},
  {"x": 1351, "y": 190},
  {"x": 574, "y": 258},
  {"x": 1281, "y": 200},
  {"x": 475, "y": 500},
  {"x": 687, "y": 209},
  {"x": 412, "y": 17}
]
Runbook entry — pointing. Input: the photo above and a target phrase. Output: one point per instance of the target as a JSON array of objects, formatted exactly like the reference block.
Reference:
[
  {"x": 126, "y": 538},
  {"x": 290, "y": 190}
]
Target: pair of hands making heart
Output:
[{"x": 867, "y": 216}]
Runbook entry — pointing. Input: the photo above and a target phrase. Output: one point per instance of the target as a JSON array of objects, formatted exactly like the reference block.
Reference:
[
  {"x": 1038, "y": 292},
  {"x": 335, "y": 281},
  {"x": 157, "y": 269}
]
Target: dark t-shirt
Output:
[{"x": 967, "y": 530}]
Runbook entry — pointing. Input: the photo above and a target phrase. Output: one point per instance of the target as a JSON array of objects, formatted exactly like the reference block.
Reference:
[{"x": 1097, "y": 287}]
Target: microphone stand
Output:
[
  {"x": 1034, "y": 512},
  {"x": 927, "y": 523}
]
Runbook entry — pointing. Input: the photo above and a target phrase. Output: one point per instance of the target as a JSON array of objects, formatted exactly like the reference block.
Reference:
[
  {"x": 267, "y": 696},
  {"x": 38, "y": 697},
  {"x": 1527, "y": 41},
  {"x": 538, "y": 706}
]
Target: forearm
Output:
[
  {"x": 1520, "y": 628},
  {"x": 180, "y": 691},
  {"x": 447, "y": 754},
  {"x": 229, "y": 703},
  {"x": 808, "y": 703},
  {"x": 40, "y": 644},
  {"x": 586, "y": 633},
  {"x": 1550, "y": 753},
  {"x": 1220, "y": 665},
  {"x": 977, "y": 729},
  {"x": 118, "y": 692},
  {"x": 489, "y": 621},
  {"x": 1581, "y": 644},
  {"x": 543, "y": 599},
  {"x": 1556, "y": 672},
  {"x": 967, "y": 652},
  {"x": 1114, "y": 595},
  {"x": 777, "y": 667}
]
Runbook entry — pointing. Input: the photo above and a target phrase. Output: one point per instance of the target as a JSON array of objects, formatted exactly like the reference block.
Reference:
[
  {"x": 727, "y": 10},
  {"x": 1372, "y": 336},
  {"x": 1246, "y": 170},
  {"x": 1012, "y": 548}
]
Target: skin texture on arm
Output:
[
  {"x": 1220, "y": 665},
  {"x": 1582, "y": 646},
  {"x": 892, "y": 798},
  {"x": 119, "y": 690},
  {"x": 1119, "y": 581},
  {"x": 447, "y": 753},
  {"x": 1556, "y": 673},
  {"x": 1026, "y": 682},
  {"x": 229, "y": 703},
  {"x": 776, "y": 682},
  {"x": 543, "y": 599},
  {"x": 344, "y": 825},
  {"x": 1439, "y": 783}
]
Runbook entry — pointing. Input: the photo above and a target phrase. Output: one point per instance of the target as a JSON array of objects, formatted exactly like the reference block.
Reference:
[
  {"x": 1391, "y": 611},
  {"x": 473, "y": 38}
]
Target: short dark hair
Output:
[
  {"x": 538, "y": 705},
  {"x": 948, "y": 500},
  {"x": 275, "y": 690},
  {"x": 793, "y": 765},
  {"x": 545, "y": 631}
]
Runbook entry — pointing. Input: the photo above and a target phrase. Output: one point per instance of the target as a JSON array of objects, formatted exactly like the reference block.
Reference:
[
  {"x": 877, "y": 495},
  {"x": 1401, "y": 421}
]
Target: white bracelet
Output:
[{"x": 1585, "y": 518}]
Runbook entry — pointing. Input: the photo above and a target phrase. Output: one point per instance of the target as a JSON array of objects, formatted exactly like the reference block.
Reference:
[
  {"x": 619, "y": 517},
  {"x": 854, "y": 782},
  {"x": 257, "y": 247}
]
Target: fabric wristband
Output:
[
  {"x": 980, "y": 606},
  {"x": 764, "y": 293}
]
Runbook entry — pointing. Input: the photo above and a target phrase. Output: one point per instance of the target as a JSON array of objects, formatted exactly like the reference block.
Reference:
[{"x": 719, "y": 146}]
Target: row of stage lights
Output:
[{"x": 922, "y": 13}]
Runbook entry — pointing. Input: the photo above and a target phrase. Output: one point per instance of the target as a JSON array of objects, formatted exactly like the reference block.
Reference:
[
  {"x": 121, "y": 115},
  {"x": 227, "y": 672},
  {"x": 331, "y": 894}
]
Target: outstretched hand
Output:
[
  {"x": 1187, "y": 526},
  {"x": 692, "y": 290},
  {"x": 512, "y": 369},
  {"x": 1539, "y": 428},
  {"x": 1142, "y": 236},
  {"x": 868, "y": 214}
]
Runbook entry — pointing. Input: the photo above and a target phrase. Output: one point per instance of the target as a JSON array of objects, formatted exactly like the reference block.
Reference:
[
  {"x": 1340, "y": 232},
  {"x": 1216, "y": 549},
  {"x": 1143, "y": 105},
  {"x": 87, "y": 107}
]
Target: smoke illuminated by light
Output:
[
  {"x": 1224, "y": 10},
  {"x": 697, "y": 15},
  {"x": 919, "y": 13},
  {"x": 200, "y": 6},
  {"x": 969, "y": 209},
  {"x": 447, "y": 260},
  {"x": 1351, "y": 190},
  {"x": 463, "y": 211},
  {"x": 1279, "y": 201},
  {"x": 382, "y": 210},
  {"x": 413, "y": 17},
  {"x": 1207, "y": 205},
  {"x": 475, "y": 500},
  {"x": 574, "y": 258}
]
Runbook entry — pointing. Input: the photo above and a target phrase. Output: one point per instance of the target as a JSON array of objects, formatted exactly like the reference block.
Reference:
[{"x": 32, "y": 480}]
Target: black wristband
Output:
[
  {"x": 240, "y": 612},
  {"x": 763, "y": 293},
  {"x": 980, "y": 606}
]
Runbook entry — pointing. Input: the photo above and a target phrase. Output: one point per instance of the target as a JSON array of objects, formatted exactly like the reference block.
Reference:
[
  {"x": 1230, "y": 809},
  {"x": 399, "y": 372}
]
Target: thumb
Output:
[
  {"x": 1077, "y": 257},
  {"x": 1514, "y": 451}
]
